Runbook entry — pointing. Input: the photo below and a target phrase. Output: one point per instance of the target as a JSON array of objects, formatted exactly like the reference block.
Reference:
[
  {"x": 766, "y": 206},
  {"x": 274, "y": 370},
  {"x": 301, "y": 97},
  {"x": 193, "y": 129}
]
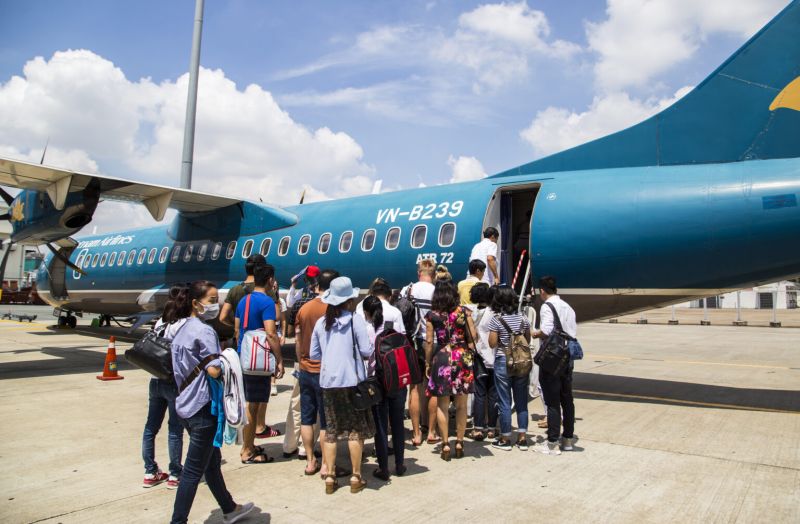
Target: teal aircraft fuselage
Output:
[{"x": 697, "y": 200}]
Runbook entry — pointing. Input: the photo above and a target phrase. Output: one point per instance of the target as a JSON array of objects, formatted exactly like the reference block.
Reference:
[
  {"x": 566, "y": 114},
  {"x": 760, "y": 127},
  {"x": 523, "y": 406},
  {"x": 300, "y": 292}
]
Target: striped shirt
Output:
[
  {"x": 422, "y": 292},
  {"x": 515, "y": 321}
]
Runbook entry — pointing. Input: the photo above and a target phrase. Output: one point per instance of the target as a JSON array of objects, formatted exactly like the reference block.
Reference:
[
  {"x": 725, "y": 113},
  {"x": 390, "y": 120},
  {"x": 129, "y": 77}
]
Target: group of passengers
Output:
[{"x": 460, "y": 333}]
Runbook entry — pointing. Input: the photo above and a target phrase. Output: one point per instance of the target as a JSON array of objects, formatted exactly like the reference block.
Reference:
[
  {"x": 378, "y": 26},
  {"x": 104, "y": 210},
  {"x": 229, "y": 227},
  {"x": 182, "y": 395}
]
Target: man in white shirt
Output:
[
  {"x": 557, "y": 390},
  {"x": 486, "y": 252},
  {"x": 391, "y": 315},
  {"x": 422, "y": 294}
]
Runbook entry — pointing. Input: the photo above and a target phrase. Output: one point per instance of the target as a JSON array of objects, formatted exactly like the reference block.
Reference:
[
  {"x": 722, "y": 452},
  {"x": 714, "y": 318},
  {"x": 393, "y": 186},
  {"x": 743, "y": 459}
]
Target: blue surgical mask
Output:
[{"x": 210, "y": 312}]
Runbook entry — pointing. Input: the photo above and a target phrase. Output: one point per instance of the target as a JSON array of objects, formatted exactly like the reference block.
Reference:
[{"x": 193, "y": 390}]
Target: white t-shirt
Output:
[
  {"x": 482, "y": 344},
  {"x": 565, "y": 314},
  {"x": 482, "y": 251},
  {"x": 390, "y": 314},
  {"x": 423, "y": 296}
]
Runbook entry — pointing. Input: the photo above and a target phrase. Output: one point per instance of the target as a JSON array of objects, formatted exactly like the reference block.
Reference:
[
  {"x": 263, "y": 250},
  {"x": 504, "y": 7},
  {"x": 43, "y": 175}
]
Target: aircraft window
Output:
[
  {"x": 216, "y": 251},
  {"x": 231, "y": 250},
  {"x": 265, "y": 245},
  {"x": 152, "y": 256},
  {"x": 302, "y": 246},
  {"x": 103, "y": 259},
  {"x": 201, "y": 253},
  {"x": 187, "y": 255},
  {"x": 121, "y": 259},
  {"x": 368, "y": 240},
  {"x": 112, "y": 259},
  {"x": 447, "y": 234},
  {"x": 176, "y": 254},
  {"x": 247, "y": 248},
  {"x": 131, "y": 257},
  {"x": 345, "y": 241},
  {"x": 142, "y": 254},
  {"x": 392, "y": 238},
  {"x": 324, "y": 243},
  {"x": 86, "y": 261},
  {"x": 95, "y": 258},
  {"x": 418, "y": 236},
  {"x": 79, "y": 260},
  {"x": 162, "y": 257},
  {"x": 283, "y": 247}
]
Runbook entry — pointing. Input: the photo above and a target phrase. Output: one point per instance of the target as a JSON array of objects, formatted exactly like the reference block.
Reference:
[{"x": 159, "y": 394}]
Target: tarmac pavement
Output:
[{"x": 675, "y": 423}]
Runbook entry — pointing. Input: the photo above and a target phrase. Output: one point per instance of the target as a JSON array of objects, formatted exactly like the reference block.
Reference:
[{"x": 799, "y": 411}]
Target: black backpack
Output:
[
  {"x": 397, "y": 364},
  {"x": 409, "y": 310},
  {"x": 553, "y": 356}
]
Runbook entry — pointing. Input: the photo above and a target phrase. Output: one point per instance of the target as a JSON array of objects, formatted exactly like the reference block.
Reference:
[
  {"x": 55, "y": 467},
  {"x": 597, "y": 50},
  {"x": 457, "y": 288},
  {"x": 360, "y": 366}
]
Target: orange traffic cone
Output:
[{"x": 110, "y": 367}]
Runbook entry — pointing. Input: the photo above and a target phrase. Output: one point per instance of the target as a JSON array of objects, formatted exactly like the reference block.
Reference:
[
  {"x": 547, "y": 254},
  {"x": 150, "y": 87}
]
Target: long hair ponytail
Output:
[{"x": 374, "y": 308}]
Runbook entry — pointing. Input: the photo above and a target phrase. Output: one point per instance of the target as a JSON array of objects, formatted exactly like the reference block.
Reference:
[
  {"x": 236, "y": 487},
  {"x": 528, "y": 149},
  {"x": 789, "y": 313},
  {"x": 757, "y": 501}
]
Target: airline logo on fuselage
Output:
[
  {"x": 113, "y": 240},
  {"x": 420, "y": 212},
  {"x": 789, "y": 97}
]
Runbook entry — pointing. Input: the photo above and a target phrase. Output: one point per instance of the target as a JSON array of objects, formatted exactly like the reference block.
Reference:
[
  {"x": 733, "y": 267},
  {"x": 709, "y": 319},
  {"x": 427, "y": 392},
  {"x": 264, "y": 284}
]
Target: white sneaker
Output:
[
  {"x": 567, "y": 444},
  {"x": 238, "y": 514},
  {"x": 548, "y": 448}
]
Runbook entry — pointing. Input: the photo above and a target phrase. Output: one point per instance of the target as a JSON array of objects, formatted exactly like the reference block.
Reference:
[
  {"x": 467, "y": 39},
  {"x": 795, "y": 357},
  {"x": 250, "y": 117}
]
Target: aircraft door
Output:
[{"x": 58, "y": 275}]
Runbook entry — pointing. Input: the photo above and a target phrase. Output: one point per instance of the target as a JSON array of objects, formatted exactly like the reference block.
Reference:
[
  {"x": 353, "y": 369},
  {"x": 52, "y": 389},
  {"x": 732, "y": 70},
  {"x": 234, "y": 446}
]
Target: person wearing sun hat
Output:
[{"x": 340, "y": 340}]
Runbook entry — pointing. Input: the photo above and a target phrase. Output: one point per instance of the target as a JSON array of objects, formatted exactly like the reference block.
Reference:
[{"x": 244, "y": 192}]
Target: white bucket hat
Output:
[{"x": 340, "y": 290}]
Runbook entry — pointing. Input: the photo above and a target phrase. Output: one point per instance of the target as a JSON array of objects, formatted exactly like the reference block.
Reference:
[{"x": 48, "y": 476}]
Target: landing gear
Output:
[{"x": 66, "y": 319}]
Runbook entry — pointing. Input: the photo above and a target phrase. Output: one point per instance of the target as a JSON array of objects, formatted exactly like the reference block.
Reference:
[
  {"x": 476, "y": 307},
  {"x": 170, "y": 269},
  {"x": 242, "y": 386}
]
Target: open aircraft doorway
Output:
[{"x": 510, "y": 211}]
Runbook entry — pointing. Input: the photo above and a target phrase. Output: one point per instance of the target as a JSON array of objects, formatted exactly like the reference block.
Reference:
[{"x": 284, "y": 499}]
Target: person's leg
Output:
[
  {"x": 461, "y": 416},
  {"x": 479, "y": 405},
  {"x": 249, "y": 431},
  {"x": 568, "y": 404},
  {"x": 416, "y": 397},
  {"x": 175, "y": 441},
  {"x": 397, "y": 419},
  {"x": 261, "y": 419},
  {"x": 503, "y": 386},
  {"x": 329, "y": 458},
  {"x": 492, "y": 402},
  {"x": 551, "y": 386},
  {"x": 308, "y": 417},
  {"x": 157, "y": 407},
  {"x": 433, "y": 418},
  {"x": 201, "y": 427},
  {"x": 216, "y": 483},
  {"x": 320, "y": 427},
  {"x": 519, "y": 386},
  {"x": 292, "y": 436},
  {"x": 443, "y": 420},
  {"x": 381, "y": 414}
]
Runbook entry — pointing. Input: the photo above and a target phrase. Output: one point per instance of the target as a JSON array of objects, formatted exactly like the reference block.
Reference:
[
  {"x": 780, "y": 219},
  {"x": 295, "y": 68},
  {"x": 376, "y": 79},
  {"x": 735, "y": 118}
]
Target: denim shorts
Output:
[
  {"x": 311, "y": 400},
  {"x": 257, "y": 388}
]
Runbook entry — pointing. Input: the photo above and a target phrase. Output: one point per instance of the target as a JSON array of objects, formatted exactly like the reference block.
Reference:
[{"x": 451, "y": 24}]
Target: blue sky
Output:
[{"x": 347, "y": 92}]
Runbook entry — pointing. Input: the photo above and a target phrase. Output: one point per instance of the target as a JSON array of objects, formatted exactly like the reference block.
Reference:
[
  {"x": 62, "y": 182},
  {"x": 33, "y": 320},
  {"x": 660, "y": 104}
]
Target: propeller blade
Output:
[
  {"x": 6, "y": 196},
  {"x": 5, "y": 216},
  {"x": 3, "y": 265},
  {"x": 44, "y": 151},
  {"x": 58, "y": 254}
]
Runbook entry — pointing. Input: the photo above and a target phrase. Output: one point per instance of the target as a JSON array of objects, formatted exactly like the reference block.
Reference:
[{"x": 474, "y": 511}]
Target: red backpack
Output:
[{"x": 397, "y": 363}]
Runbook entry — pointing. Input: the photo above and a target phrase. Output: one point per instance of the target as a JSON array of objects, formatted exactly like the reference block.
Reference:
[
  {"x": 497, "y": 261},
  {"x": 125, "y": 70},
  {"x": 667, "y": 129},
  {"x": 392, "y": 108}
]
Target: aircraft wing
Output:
[{"x": 58, "y": 182}]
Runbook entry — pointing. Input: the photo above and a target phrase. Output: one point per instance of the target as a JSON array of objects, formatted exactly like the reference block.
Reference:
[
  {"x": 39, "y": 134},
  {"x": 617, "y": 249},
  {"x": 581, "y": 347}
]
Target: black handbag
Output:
[
  {"x": 369, "y": 392},
  {"x": 153, "y": 353},
  {"x": 553, "y": 355}
]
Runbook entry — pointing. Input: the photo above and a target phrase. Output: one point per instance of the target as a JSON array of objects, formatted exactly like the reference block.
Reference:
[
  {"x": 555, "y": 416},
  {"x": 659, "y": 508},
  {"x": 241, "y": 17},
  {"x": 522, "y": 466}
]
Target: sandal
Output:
[
  {"x": 252, "y": 459},
  {"x": 434, "y": 440},
  {"x": 317, "y": 467},
  {"x": 340, "y": 472},
  {"x": 268, "y": 433},
  {"x": 417, "y": 443},
  {"x": 358, "y": 485},
  {"x": 445, "y": 455},
  {"x": 477, "y": 435},
  {"x": 459, "y": 449},
  {"x": 330, "y": 487},
  {"x": 490, "y": 434}
]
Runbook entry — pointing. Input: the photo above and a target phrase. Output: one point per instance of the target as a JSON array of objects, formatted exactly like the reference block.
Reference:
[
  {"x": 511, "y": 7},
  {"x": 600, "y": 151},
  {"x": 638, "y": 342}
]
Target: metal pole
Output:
[
  {"x": 775, "y": 322},
  {"x": 524, "y": 286},
  {"x": 739, "y": 321},
  {"x": 705, "y": 321},
  {"x": 673, "y": 321},
  {"x": 191, "y": 102}
]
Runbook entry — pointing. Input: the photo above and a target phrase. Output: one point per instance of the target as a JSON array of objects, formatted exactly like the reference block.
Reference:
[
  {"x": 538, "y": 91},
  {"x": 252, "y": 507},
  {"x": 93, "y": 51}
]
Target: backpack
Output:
[
  {"x": 518, "y": 352},
  {"x": 397, "y": 363},
  {"x": 554, "y": 354},
  {"x": 255, "y": 355},
  {"x": 409, "y": 310}
]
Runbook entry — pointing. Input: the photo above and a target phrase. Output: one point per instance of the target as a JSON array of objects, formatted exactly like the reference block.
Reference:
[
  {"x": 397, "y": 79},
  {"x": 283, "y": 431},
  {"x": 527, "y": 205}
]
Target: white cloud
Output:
[
  {"x": 555, "y": 129},
  {"x": 246, "y": 145},
  {"x": 641, "y": 39},
  {"x": 465, "y": 168}
]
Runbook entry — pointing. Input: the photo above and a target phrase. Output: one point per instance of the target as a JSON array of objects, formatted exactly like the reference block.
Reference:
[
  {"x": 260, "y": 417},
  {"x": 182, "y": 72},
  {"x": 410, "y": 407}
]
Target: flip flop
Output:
[
  {"x": 268, "y": 433},
  {"x": 433, "y": 441},
  {"x": 317, "y": 467},
  {"x": 252, "y": 459}
]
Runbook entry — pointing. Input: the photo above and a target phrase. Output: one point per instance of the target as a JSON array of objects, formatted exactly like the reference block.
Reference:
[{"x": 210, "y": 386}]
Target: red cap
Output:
[{"x": 312, "y": 271}]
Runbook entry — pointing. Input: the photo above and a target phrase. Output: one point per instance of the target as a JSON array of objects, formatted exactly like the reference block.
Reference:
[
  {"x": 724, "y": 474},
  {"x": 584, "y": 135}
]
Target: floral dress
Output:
[{"x": 451, "y": 366}]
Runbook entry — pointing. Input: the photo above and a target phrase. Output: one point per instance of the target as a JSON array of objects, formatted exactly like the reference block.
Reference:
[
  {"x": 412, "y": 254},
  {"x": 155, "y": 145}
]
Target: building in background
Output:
[{"x": 783, "y": 293}]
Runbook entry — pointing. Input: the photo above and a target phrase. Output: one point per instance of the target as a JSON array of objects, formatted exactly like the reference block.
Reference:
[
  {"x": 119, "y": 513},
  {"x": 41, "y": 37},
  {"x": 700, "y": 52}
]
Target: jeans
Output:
[
  {"x": 311, "y": 405},
  {"x": 162, "y": 395},
  {"x": 485, "y": 398},
  {"x": 202, "y": 458},
  {"x": 391, "y": 410},
  {"x": 557, "y": 393},
  {"x": 506, "y": 387}
]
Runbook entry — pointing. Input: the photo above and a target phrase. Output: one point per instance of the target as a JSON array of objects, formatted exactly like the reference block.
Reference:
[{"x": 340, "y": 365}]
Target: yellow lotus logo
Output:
[
  {"x": 789, "y": 97},
  {"x": 17, "y": 212}
]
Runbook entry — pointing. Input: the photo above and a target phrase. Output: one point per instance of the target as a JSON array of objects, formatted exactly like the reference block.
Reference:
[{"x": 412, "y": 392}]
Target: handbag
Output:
[
  {"x": 255, "y": 355},
  {"x": 153, "y": 353},
  {"x": 553, "y": 356},
  {"x": 366, "y": 393},
  {"x": 478, "y": 365}
]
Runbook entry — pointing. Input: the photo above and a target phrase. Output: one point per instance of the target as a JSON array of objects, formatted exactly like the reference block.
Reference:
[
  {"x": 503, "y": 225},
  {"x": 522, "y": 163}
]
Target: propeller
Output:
[{"x": 7, "y": 198}]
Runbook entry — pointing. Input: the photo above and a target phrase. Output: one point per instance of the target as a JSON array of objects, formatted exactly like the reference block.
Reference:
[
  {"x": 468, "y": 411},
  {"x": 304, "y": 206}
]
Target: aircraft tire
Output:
[{"x": 72, "y": 322}]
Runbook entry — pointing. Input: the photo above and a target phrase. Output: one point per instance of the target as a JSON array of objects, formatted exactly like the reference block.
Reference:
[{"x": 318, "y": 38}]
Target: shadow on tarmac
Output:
[{"x": 641, "y": 390}]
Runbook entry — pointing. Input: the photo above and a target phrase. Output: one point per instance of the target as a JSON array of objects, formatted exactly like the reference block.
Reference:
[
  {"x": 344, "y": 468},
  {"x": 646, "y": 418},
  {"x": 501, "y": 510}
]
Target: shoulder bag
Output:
[
  {"x": 153, "y": 353},
  {"x": 554, "y": 353},
  {"x": 255, "y": 355},
  {"x": 369, "y": 392}
]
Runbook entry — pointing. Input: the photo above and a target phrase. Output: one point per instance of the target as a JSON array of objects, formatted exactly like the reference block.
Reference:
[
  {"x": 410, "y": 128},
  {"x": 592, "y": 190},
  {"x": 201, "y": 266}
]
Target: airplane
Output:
[{"x": 695, "y": 201}]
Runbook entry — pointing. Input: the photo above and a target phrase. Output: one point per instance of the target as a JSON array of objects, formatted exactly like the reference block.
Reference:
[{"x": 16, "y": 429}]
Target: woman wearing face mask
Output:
[{"x": 195, "y": 352}]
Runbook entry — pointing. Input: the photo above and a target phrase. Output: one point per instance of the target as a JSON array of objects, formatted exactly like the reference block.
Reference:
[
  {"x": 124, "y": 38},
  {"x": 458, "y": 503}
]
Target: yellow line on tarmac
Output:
[
  {"x": 702, "y": 362},
  {"x": 687, "y": 402}
]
